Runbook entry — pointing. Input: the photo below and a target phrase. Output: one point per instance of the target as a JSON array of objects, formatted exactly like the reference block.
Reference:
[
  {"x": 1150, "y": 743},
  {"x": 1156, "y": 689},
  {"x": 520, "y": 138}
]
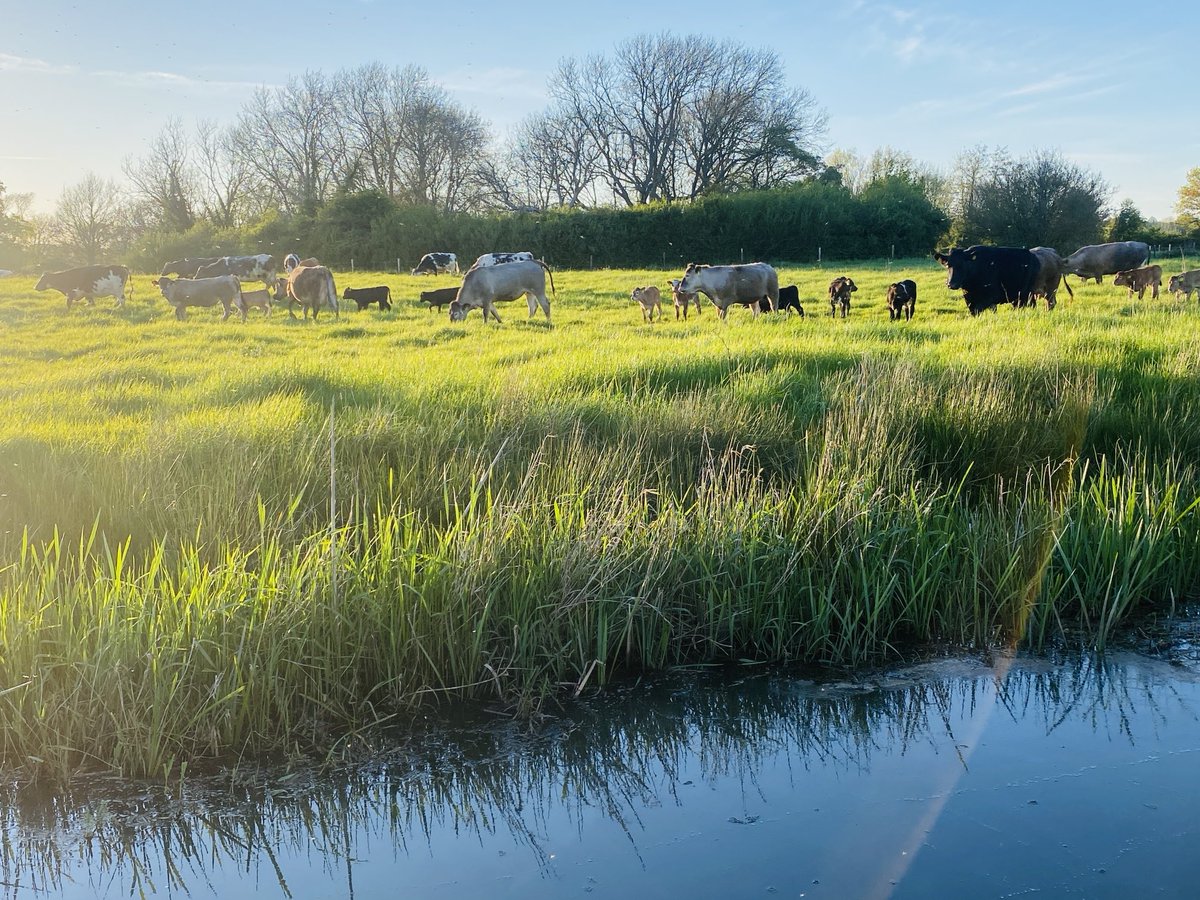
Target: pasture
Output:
[{"x": 524, "y": 510}]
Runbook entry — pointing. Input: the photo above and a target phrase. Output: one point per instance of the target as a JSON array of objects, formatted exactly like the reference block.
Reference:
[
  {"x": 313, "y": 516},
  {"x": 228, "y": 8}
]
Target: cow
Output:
[
  {"x": 649, "y": 298},
  {"x": 1098, "y": 260},
  {"x": 188, "y": 266},
  {"x": 201, "y": 292},
  {"x": 681, "y": 299},
  {"x": 840, "y": 290},
  {"x": 439, "y": 298},
  {"x": 789, "y": 299},
  {"x": 312, "y": 288},
  {"x": 497, "y": 259},
  {"x": 290, "y": 262},
  {"x": 902, "y": 300},
  {"x": 364, "y": 297},
  {"x": 87, "y": 283},
  {"x": 251, "y": 268},
  {"x": 260, "y": 299},
  {"x": 437, "y": 264},
  {"x": 1051, "y": 271},
  {"x": 1184, "y": 283},
  {"x": 988, "y": 276},
  {"x": 748, "y": 284},
  {"x": 482, "y": 288},
  {"x": 1140, "y": 279}
]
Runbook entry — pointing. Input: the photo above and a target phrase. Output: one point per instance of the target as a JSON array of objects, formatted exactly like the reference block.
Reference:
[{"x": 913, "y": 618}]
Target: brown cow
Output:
[
  {"x": 649, "y": 298},
  {"x": 840, "y": 290},
  {"x": 312, "y": 288},
  {"x": 1184, "y": 283},
  {"x": 1052, "y": 269},
  {"x": 1140, "y": 279}
]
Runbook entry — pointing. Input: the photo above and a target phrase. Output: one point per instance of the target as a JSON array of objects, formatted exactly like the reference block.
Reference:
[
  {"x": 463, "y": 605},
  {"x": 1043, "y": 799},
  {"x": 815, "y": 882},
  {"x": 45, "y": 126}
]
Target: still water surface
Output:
[{"x": 1073, "y": 777}]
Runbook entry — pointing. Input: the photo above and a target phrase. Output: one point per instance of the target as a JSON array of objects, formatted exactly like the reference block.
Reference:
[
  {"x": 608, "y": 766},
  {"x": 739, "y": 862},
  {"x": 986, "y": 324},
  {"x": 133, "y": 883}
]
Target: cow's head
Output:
[
  {"x": 1176, "y": 283},
  {"x": 691, "y": 276},
  {"x": 43, "y": 282},
  {"x": 458, "y": 312},
  {"x": 959, "y": 263}
]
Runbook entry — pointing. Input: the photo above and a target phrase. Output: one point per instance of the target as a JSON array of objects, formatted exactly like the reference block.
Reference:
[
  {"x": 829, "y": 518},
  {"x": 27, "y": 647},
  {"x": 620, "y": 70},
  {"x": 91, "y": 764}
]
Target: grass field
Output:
[{"x": 522, "y": 508}]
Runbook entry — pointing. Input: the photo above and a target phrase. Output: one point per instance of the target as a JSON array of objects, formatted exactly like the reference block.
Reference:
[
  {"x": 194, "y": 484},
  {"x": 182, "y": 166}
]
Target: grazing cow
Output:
[
  {"x": 497, "y": 259},
  {"x": 840, "y": 290},
  {"x": 312, "y": 288},
  {"x": 364, "y": 297},
  {"x": 789, "y": 299},
  {"x": 248, "y": 268},
  {"x": 988, "y": 276},
  {"x": 902, "y": 300},
  {"x": 1098, "y": 260},
  {"x": 748, "y": 284},
  {"x": 1140, "y": 279},
  {"x": 437, "y": 264},
  {"x": 682, "y": 298},
  {"x": 482, "y": 288},
  {"x": 1051, "y": 271},
  {"x": 87, "y": 283},
  {"x": 188, "y": 266},
  {"x": 649, "y": 298},
  {"x": 1184, "y": 283},
  {"x": 290, "y": 262},
  {"x": 202, "y": 292},
  {"x": 439, "y": 298},
  {"x": 260, "y": 299}
]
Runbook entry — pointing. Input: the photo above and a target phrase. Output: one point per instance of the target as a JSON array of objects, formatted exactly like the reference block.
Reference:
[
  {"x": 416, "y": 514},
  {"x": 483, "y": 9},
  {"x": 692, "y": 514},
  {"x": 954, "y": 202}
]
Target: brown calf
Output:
[
  {"x": 682, "y": 299},
  {"x": 650, "y": 299},
  {"x": 1140, "y": 279},
  {"x": 1184, "y": 283},
  {"x": 840, "y": 290}
]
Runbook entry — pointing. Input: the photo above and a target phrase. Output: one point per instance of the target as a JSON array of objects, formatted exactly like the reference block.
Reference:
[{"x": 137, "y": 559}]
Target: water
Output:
[{"x": 1076, "y": 777}]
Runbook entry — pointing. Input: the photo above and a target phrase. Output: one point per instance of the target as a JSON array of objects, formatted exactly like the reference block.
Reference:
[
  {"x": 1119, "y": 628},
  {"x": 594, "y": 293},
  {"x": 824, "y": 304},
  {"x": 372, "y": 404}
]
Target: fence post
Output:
[{"x": 397, "y": 265}]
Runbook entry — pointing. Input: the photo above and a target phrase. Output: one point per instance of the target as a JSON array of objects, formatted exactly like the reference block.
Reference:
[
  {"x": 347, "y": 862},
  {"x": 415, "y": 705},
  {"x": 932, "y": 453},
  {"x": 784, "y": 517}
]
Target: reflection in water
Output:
[{"x": 673, "y": 765}]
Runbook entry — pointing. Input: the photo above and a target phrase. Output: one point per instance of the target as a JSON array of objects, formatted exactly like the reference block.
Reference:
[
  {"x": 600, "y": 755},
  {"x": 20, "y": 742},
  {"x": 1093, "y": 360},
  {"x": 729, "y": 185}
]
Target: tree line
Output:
[{"x": 665, "y": 133}]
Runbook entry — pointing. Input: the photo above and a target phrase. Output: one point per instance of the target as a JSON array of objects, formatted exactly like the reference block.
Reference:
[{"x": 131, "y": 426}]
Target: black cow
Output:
[
  {"x": 87, "y": 283},
  {"x": 988, "y": 276},
  {"x": 437, "y": 299},
  {"x": 789, "y": 298},
  {"x": 188, "y": 266},
  {"x": 902, "y": 300},
  {"x": 364, "y": 297}
]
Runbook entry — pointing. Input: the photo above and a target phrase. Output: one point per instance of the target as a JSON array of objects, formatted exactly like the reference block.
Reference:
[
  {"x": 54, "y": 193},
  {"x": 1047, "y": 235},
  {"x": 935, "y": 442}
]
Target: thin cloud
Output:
[
  {"x": 501, "y": 81},
  {"x": 175, "y": 80},
  {"x": 10, "y": 63}
]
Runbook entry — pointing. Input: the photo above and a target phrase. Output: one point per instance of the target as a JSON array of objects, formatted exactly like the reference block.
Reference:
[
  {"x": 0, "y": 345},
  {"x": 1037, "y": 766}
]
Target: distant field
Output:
[{"x": 523, "y": 507}]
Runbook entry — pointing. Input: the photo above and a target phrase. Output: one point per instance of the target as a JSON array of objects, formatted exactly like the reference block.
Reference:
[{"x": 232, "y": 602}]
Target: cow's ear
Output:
[{"x": 941, "y": 258}]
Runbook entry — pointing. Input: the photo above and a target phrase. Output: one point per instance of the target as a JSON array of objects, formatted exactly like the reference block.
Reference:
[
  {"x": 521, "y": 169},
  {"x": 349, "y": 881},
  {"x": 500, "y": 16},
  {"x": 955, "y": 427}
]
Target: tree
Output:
[
  {"x": 164, "y": 179},
  {"x": 1188, "y": 204},
  {"x": 223, "y": 175},
  {"x": 547, "y": 163},
  {"x": 89, "y": 217},
  {"x": 1042, "y": 199},
  {"x": 13, "y": 227},
  {"x": 1127, "y": 225},
  {"x": 676, "y": 117}
]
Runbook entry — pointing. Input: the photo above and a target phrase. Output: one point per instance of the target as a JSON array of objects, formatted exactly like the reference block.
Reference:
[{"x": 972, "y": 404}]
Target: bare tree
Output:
[
  {"x": 89, "y": 217},
  {"x": 222, "y": 172},
  {"x": 164, "y": 179},
  {"x": 676, "y": 116},
  {"x": 546, "y": 163}
]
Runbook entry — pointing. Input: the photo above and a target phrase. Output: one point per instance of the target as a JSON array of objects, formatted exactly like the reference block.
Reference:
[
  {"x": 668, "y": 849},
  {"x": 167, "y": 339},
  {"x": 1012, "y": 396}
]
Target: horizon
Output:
[{"x": 84, "y": 102}]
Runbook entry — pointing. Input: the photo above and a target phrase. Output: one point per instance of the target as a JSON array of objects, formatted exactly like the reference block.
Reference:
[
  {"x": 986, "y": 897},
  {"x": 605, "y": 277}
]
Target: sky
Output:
[{"x": 85, "y": 85}]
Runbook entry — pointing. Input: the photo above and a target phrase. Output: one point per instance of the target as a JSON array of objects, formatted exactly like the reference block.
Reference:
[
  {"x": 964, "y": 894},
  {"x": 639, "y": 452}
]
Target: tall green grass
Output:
[{"x": 522, "y": 511}]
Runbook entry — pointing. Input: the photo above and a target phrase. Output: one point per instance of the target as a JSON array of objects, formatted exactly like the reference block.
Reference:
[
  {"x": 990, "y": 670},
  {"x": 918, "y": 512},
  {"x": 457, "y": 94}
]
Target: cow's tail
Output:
[
  {"x": 1067, "y": 285},
  {"x": 331, "y": 292},
  {"x": 542, "y": 263}
]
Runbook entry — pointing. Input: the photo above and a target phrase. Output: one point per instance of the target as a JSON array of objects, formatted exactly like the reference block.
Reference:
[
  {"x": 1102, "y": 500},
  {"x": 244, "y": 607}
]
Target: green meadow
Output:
[{"x": 226, "y": 538}]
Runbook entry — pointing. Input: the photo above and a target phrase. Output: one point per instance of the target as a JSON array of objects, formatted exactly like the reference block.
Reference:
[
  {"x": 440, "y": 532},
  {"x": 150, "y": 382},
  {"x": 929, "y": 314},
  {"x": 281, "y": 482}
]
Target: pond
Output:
[{"x": 1000, "y": 776}]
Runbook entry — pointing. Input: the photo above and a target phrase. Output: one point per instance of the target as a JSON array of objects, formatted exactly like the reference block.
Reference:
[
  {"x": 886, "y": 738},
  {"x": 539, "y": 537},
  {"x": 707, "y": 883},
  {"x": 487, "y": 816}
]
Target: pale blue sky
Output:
[{"x": 83, "y": 85}]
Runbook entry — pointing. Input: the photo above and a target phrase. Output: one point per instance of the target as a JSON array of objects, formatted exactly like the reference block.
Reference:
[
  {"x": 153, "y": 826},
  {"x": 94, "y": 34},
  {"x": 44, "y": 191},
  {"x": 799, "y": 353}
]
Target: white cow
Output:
[
  {"x": 204, "y": 292},
  {"x": 747, "y": 284},
  {"x": 484, "y": 287}
]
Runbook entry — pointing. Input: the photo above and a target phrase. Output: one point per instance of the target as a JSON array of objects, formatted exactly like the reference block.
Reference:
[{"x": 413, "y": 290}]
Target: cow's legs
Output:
[
  {"x": 489, "y": 306},
  {"x": 544, "y": 302}
]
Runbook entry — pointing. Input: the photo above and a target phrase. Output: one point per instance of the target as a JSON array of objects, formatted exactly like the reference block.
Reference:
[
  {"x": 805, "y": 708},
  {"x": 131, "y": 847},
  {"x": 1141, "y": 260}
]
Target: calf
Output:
[
  {"x": 439, "y": 298},
  {"x": 1140, "y": 279},
  {"x": 840, "y": 290},
  {"x": 364, "y": 297},
  {"x": 1184, "y": 283},
  {"x": 650, "y": 299},
  {"x": 902, "y": 300},
  {"x": 201, "y": 292},
  {"x": 87, "y": 283},
  {"x": 681, "y": 299},
  {"x": 260, "y": 299},
  {"x": 789, "y": 299}
]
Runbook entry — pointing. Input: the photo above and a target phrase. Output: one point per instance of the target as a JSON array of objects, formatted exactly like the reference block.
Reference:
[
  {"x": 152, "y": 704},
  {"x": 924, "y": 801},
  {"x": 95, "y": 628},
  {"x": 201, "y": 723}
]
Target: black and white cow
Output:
[
  {"x": 248, "y": 268},
  {"x": 499, "y": 259},
  {"x": 437, "y": 264},
  {"x": 188, "y": 266},
  {"x": 87, "y": 283}
]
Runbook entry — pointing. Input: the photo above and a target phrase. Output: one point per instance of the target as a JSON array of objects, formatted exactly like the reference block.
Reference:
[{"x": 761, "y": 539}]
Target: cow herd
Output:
[{"x": 987, "y": 276}]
